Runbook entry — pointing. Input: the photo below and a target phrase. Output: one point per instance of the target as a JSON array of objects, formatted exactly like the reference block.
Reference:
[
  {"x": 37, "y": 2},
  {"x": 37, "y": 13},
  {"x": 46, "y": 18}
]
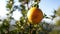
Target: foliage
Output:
[{"x": 23, "y": 26}]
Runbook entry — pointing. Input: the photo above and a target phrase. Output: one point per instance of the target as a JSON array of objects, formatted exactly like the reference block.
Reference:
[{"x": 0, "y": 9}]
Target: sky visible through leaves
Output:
[{"x": 47, "y": 6}]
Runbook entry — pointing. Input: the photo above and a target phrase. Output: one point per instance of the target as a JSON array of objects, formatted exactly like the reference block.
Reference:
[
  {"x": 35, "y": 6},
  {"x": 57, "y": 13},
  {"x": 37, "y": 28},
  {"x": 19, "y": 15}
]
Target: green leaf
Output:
[
  {"x": 37, "y": 0},
  {"x": 53, "y": 16},
  {"x": 54, "y": 11},
  {"x": 21, "y": 0},
  {"x": 0, "y": 20},
  {"x": 9, "y": 6},
  {"x": 47, "y": 17},
  {"x": 22, "y": 6},
  {"x": 44, "y": 15}
]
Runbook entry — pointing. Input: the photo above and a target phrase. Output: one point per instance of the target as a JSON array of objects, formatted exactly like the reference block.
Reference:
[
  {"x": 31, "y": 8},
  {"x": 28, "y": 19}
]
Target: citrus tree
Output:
[{"x": 29, "y": 23}]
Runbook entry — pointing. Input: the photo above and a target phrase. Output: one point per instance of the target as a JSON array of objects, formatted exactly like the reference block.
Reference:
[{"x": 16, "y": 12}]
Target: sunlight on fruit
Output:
[{"x": 34, "y": 15}]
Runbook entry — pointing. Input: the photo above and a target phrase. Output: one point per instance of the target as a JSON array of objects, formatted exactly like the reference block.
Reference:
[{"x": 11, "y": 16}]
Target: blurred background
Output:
[{"x": 13, "y": 19}]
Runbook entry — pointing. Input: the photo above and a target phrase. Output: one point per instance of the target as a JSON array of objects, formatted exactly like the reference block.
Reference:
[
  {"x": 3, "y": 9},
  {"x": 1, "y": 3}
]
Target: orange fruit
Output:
[{"x": 34, "y": 15}]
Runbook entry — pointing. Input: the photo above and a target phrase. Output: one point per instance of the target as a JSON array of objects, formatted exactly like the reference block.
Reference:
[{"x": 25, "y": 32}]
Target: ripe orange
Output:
[{"x": 34, "y": 15}]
